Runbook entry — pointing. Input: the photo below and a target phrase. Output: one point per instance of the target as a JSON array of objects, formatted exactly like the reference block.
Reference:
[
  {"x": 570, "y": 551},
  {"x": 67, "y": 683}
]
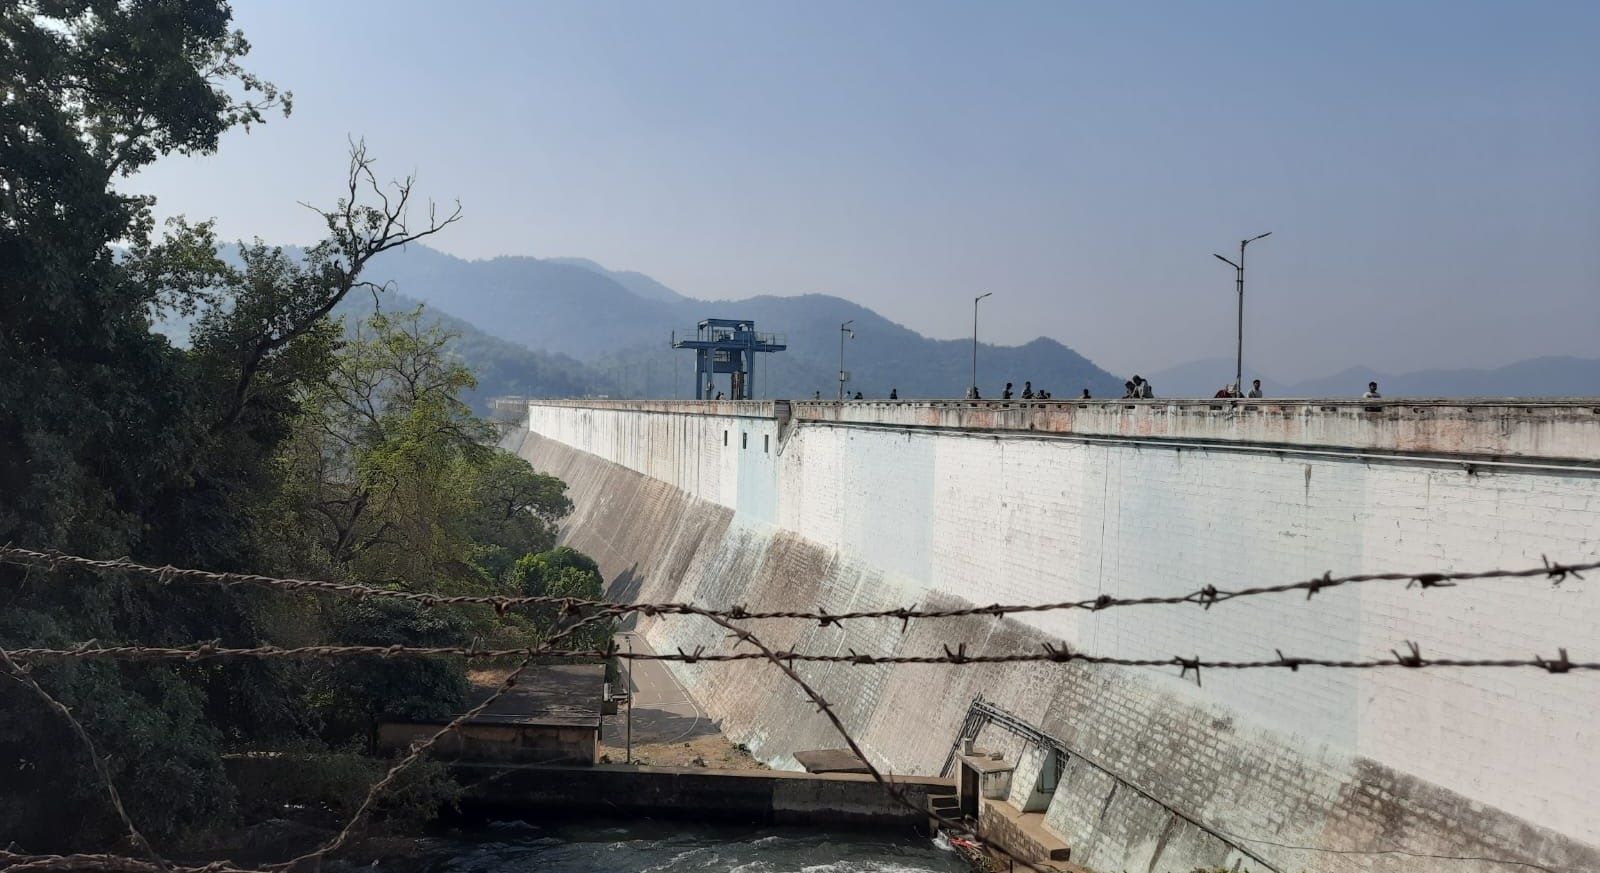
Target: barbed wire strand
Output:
[
  {"x": 419, "y": 749},
  {"x": 18, "y": 862},
  {"x": 1205, "y": 596},
  {"x": 1411, "y": 657},
  {"x": 21, "y": 675}
]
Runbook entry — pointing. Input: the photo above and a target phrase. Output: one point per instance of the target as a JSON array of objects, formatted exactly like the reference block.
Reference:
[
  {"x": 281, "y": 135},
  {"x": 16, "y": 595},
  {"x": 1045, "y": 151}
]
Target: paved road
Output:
[{"x": 662, "y": 710}]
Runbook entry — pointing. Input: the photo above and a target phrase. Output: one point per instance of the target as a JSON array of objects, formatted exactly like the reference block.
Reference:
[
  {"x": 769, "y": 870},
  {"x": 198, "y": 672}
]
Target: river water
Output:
[{"x": 672, "y": 847}]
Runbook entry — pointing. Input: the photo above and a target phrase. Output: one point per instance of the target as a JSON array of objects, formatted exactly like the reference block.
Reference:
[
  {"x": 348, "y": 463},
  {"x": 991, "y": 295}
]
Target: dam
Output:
[{"x": 836, "y": 507}]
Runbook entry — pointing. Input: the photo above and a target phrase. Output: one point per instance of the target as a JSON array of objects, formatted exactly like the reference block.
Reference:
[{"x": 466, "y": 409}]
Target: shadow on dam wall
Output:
[{"x": 1177, "y": 780}]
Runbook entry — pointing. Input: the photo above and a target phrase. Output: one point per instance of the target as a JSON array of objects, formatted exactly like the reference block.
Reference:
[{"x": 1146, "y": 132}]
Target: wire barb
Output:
[{"x": 1412, "y": 660}]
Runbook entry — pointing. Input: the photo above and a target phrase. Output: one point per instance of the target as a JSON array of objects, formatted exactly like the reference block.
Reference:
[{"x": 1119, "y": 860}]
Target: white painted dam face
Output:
[{"x": 729, "y": 508}]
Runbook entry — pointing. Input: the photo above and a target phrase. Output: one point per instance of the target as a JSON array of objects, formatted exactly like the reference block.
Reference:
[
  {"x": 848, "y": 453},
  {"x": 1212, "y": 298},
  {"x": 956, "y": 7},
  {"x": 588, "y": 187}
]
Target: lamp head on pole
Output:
[
  {"x": 1224, "y": 260},
  {"x": 1254, "y": 238},
  {"x": 981, "y": 296}
]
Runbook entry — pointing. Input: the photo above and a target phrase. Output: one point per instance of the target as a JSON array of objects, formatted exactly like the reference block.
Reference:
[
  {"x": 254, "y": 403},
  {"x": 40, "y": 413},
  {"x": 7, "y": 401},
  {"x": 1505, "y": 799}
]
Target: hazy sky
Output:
[{"x": 1431, "y": 171}]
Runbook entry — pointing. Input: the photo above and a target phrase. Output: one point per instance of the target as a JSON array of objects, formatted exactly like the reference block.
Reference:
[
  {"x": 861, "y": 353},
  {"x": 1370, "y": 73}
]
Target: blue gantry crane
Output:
[{"x": 726, "y": 345}]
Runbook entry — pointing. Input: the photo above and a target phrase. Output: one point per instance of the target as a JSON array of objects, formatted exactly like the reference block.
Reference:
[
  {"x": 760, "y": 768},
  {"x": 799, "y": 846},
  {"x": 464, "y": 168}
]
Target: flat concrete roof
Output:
[{"x": 563, "y": 695}]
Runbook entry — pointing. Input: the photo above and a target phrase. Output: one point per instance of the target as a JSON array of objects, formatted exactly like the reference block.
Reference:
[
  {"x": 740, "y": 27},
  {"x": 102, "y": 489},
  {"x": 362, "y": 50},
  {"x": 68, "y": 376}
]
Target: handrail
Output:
[{"x": 981, "y": 713}]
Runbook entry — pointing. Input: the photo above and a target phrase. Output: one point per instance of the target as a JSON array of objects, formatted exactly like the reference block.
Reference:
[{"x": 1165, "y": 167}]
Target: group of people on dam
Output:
[{"x": 1136, "y": 388}]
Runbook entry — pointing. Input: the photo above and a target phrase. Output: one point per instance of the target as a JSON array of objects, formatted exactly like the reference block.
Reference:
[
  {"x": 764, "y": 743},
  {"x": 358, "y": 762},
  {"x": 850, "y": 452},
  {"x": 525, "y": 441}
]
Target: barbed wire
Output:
[
  {"x": 1205, "y": 596},
  {"x": 785, "y": 660},
  {"x": 1412, "y": 657},
  {"x": 19, "y": 862}
]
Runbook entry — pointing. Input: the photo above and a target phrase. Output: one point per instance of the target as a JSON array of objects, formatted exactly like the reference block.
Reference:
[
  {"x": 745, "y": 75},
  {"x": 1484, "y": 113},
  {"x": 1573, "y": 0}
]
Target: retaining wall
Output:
[
  {"x": 750, "y": 796},
  {"x": 858, "y": 506}
]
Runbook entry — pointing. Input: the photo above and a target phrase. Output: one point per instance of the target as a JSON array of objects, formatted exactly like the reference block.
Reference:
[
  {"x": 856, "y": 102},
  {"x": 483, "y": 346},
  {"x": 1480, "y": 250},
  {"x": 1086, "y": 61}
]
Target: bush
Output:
[{"x": 336, "y": 783}]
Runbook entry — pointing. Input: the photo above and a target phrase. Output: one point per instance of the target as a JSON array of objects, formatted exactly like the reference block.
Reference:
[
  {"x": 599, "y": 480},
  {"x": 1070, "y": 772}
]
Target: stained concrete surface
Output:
[
  {"x": 663, "y": 712},
  {"x": 1195, "y": 748},
  {"x": 669, "y": 728}
]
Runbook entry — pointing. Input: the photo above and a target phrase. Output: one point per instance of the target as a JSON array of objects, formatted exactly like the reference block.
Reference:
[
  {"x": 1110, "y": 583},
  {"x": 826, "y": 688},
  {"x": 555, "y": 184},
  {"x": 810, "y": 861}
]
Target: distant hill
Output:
[
  {"x": 578, "y": 309},
  {"x": 502, "y": 367},
  {"x": 638, "y": 283},
  {"x": 564, "y": 327},
  {"x": 1535, "y": 377},
  {"x": 1202, "y": 379}
]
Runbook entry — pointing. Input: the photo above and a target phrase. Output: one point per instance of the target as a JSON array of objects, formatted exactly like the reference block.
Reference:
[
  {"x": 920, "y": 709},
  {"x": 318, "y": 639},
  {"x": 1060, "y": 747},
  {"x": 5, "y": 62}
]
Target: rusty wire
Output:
[
  {"x": 19, "y": 862},
  {"x": 1205, "y": 597},
  {"x": 1412, "y": 656},
  {"x": 783, "y": 660}
]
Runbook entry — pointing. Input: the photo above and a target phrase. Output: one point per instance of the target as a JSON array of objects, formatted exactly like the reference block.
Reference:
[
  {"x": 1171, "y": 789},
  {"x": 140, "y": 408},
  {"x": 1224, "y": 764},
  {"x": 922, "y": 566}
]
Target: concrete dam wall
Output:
[{"x": 878, "y": 505}]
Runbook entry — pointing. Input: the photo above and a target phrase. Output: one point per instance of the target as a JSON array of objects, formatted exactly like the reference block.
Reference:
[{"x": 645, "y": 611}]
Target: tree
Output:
[
  {"x": 561, "y": 572},
  {"x": 114, "y": 442},
  {"x": 93, "y": 92},
  {"x": 95, "y": 411},
  {"x": 534, "y": 574},
  {"x": 516, "y": 512},
  {"x": 355, "y": 696},
  {"x": 392, "y": 471}
]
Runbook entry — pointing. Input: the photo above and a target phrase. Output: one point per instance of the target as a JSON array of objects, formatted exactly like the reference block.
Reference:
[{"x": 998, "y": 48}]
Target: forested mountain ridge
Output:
[{"x": 575, "y": 308}]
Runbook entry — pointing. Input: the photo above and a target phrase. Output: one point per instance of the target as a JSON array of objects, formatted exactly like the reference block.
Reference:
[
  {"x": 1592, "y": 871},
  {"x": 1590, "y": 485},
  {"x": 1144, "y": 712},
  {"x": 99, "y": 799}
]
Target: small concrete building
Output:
[{"x": 551, "y": 716}]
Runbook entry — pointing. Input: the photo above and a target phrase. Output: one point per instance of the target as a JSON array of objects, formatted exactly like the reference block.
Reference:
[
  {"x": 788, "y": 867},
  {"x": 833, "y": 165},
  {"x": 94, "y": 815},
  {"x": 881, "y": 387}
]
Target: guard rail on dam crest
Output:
[{"x": 832, "y": 507}]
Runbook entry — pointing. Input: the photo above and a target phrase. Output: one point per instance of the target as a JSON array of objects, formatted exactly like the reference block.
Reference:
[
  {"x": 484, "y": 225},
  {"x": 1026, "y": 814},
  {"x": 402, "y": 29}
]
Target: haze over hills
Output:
[
  {"x": 571, "y": 327},
  {"x": 619, "y": 325},
  {"x": 1535, "y": 377},
  {"x": 638, "y": 283}
]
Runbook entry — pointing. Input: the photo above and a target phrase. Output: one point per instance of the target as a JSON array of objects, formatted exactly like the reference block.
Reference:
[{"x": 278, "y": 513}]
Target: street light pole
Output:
[
  {"x": 1238, "y": 269},
  {"x": 973, "y": 391},
  {"x": 844, "y": 330},
  {"x": 629, "y": 638}
]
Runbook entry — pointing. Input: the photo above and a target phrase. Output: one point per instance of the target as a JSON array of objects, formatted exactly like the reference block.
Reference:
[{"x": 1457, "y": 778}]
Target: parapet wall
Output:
[
  {"x": 863, "y": 505},
  {"x": 1538, "y": 430}
]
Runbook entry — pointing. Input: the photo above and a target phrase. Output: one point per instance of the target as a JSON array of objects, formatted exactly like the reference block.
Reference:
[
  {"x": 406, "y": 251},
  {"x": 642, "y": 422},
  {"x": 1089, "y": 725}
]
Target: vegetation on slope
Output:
[{"x": 271, "y": 442}]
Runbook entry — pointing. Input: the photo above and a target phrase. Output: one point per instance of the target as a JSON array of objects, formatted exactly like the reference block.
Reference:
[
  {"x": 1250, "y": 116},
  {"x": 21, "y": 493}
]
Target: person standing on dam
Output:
[
  {"x": 1006, "y": 394},
  {"x": 1372, "y": 392}
]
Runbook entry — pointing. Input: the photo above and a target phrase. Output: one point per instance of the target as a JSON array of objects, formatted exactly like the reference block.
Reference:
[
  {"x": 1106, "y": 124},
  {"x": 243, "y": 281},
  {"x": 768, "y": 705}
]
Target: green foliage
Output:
[
  {"x": 537, "y": 575},
  {"x": 391, "y": 472},
  {"x": 102, "y": 430},
  {"x": 257, "y": 447},
  {"x": 355, "y": 695},
  {"x": 165, "y": 760},
  {"x": 561, "y": 572}
]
